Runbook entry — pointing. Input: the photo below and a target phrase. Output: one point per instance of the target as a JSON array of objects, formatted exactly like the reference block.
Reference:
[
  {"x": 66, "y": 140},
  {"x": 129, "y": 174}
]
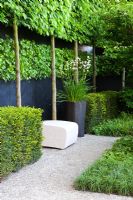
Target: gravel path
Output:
[{"x": 51, "y": 178}]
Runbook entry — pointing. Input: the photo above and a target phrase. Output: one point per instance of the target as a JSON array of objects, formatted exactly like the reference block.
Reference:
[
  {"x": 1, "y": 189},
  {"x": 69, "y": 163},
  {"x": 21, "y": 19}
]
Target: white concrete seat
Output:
[{"x": 59, "y": 134}]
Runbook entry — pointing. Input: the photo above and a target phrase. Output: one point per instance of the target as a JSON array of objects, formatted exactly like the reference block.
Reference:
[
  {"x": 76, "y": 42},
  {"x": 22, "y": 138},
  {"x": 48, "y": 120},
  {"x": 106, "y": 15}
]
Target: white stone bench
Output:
[{"x": 59, "y": 134}]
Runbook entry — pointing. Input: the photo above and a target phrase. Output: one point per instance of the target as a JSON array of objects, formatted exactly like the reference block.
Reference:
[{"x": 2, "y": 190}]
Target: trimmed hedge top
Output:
[{"x": 20, "y": 133}]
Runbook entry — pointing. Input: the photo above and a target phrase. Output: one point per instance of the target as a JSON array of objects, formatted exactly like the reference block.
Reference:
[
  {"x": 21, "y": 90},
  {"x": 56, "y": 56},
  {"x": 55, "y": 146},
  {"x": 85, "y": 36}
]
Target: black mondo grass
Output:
[{"x": 112, "y": 173}]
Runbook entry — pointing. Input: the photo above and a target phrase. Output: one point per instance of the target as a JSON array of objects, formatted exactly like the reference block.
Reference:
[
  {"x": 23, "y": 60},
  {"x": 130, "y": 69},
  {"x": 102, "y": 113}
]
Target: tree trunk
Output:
[
  {"x": 94, "y": 68},
  {"x": 54, "y": 111},
  {"x": 76, "y": 73},
  {"x": 123, "y": 78},
  {"x": 17, "y": 62}
]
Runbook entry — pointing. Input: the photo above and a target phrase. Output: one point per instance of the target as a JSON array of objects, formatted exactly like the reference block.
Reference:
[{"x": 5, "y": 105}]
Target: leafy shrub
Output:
[
  {"x": 126, "y": 99},
  {"x": 111, "y": 61},
  {"x": 35, "y": 60},
  {"x": 20, "y": 133},
  {"x": 112, "y": 173},
  {"x": 116, "y": 127},
  {"x": 101, "y": 106},
  {"x": 124, "y": 144}
]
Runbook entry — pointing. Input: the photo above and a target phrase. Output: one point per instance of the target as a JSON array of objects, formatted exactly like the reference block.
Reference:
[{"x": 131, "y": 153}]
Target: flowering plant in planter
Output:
[
  {"x": 70, "y": 67},
  {"x": 75, "y": 92}
]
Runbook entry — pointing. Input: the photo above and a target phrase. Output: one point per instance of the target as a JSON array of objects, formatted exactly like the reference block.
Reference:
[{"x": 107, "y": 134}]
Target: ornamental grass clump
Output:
[{"x": 73, "y": 92}]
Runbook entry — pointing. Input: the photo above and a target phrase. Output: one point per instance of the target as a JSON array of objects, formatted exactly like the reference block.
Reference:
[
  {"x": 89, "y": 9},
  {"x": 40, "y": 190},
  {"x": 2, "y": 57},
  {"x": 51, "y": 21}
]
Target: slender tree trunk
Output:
[
  {"x": 76, "y": 73},
  {"x": 123, "y": 78},
  {"x": 54, "y": 111},
  {"x": 17, "y": 62},
  {"x": 94, "y": 68}
]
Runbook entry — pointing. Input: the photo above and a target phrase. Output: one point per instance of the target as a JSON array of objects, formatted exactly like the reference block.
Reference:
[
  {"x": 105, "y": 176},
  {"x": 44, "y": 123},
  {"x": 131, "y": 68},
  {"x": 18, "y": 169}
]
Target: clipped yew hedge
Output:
[
  {"x": 20, "y": 133},
  {"x": 100, "y": 107}
]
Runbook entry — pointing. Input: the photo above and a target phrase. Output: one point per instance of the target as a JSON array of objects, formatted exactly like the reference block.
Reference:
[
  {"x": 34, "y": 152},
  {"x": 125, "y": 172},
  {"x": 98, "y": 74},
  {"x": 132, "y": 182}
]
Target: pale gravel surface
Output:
[{"x": 51, "y": 178}]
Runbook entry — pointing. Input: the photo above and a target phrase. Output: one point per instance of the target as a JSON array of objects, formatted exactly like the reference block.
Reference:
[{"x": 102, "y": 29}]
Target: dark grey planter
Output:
[{"x": 76, "y": 113}]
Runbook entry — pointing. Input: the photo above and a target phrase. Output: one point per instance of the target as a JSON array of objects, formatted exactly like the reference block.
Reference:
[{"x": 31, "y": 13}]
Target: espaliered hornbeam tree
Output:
[
  {"x": 17, "y": 61},
  {"x": 77, "y": 28},
  {"x": 12, "y": 13},
  {"x": 51, "y": 18},
  {"x": 53, "y": 68},
  {"x": 58, "y": 13}
]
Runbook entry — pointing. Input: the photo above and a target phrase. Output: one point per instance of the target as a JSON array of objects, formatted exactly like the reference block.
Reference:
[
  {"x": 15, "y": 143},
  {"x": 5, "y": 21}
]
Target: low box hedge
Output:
[
  {"x": 101, "y": 106},
  {"x": 20, "y": 133}
]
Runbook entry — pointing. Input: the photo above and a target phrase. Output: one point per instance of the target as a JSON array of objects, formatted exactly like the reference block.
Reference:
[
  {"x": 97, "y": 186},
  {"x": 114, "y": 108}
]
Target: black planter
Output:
[{"x": 75, "y": 112}]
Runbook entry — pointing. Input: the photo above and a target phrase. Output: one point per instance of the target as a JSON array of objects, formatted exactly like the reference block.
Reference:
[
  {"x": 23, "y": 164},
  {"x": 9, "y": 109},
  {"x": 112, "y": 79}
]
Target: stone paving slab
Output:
[{"x": 51, "y": 178}]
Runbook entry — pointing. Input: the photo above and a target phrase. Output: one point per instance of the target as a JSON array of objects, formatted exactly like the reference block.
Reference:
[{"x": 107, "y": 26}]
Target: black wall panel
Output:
[{"x": 35, "y": 93}]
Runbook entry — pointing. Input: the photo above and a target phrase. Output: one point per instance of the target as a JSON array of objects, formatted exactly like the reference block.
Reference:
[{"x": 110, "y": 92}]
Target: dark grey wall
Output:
[
  {"x": 35, "y": 93},
  {"x": 109, "y": 83}
]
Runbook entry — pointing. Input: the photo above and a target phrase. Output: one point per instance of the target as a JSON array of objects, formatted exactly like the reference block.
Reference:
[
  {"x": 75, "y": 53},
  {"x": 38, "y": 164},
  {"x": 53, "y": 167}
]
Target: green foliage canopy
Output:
[
  {"x": 118, "y": 39},
  {"x": 108, "y": 23},
  {"x": 119, "y": 23},
  {"x": 78, "y": 20},
  {"x": 48, "y": 17},
  {"x": 10, "y": 9},
  {"x": 70, "y": 19}
]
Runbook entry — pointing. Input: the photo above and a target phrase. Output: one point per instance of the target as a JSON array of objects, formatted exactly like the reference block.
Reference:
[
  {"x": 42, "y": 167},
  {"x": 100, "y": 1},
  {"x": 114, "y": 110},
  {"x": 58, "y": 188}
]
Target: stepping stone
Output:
[{"x": 59, "y": 134}]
